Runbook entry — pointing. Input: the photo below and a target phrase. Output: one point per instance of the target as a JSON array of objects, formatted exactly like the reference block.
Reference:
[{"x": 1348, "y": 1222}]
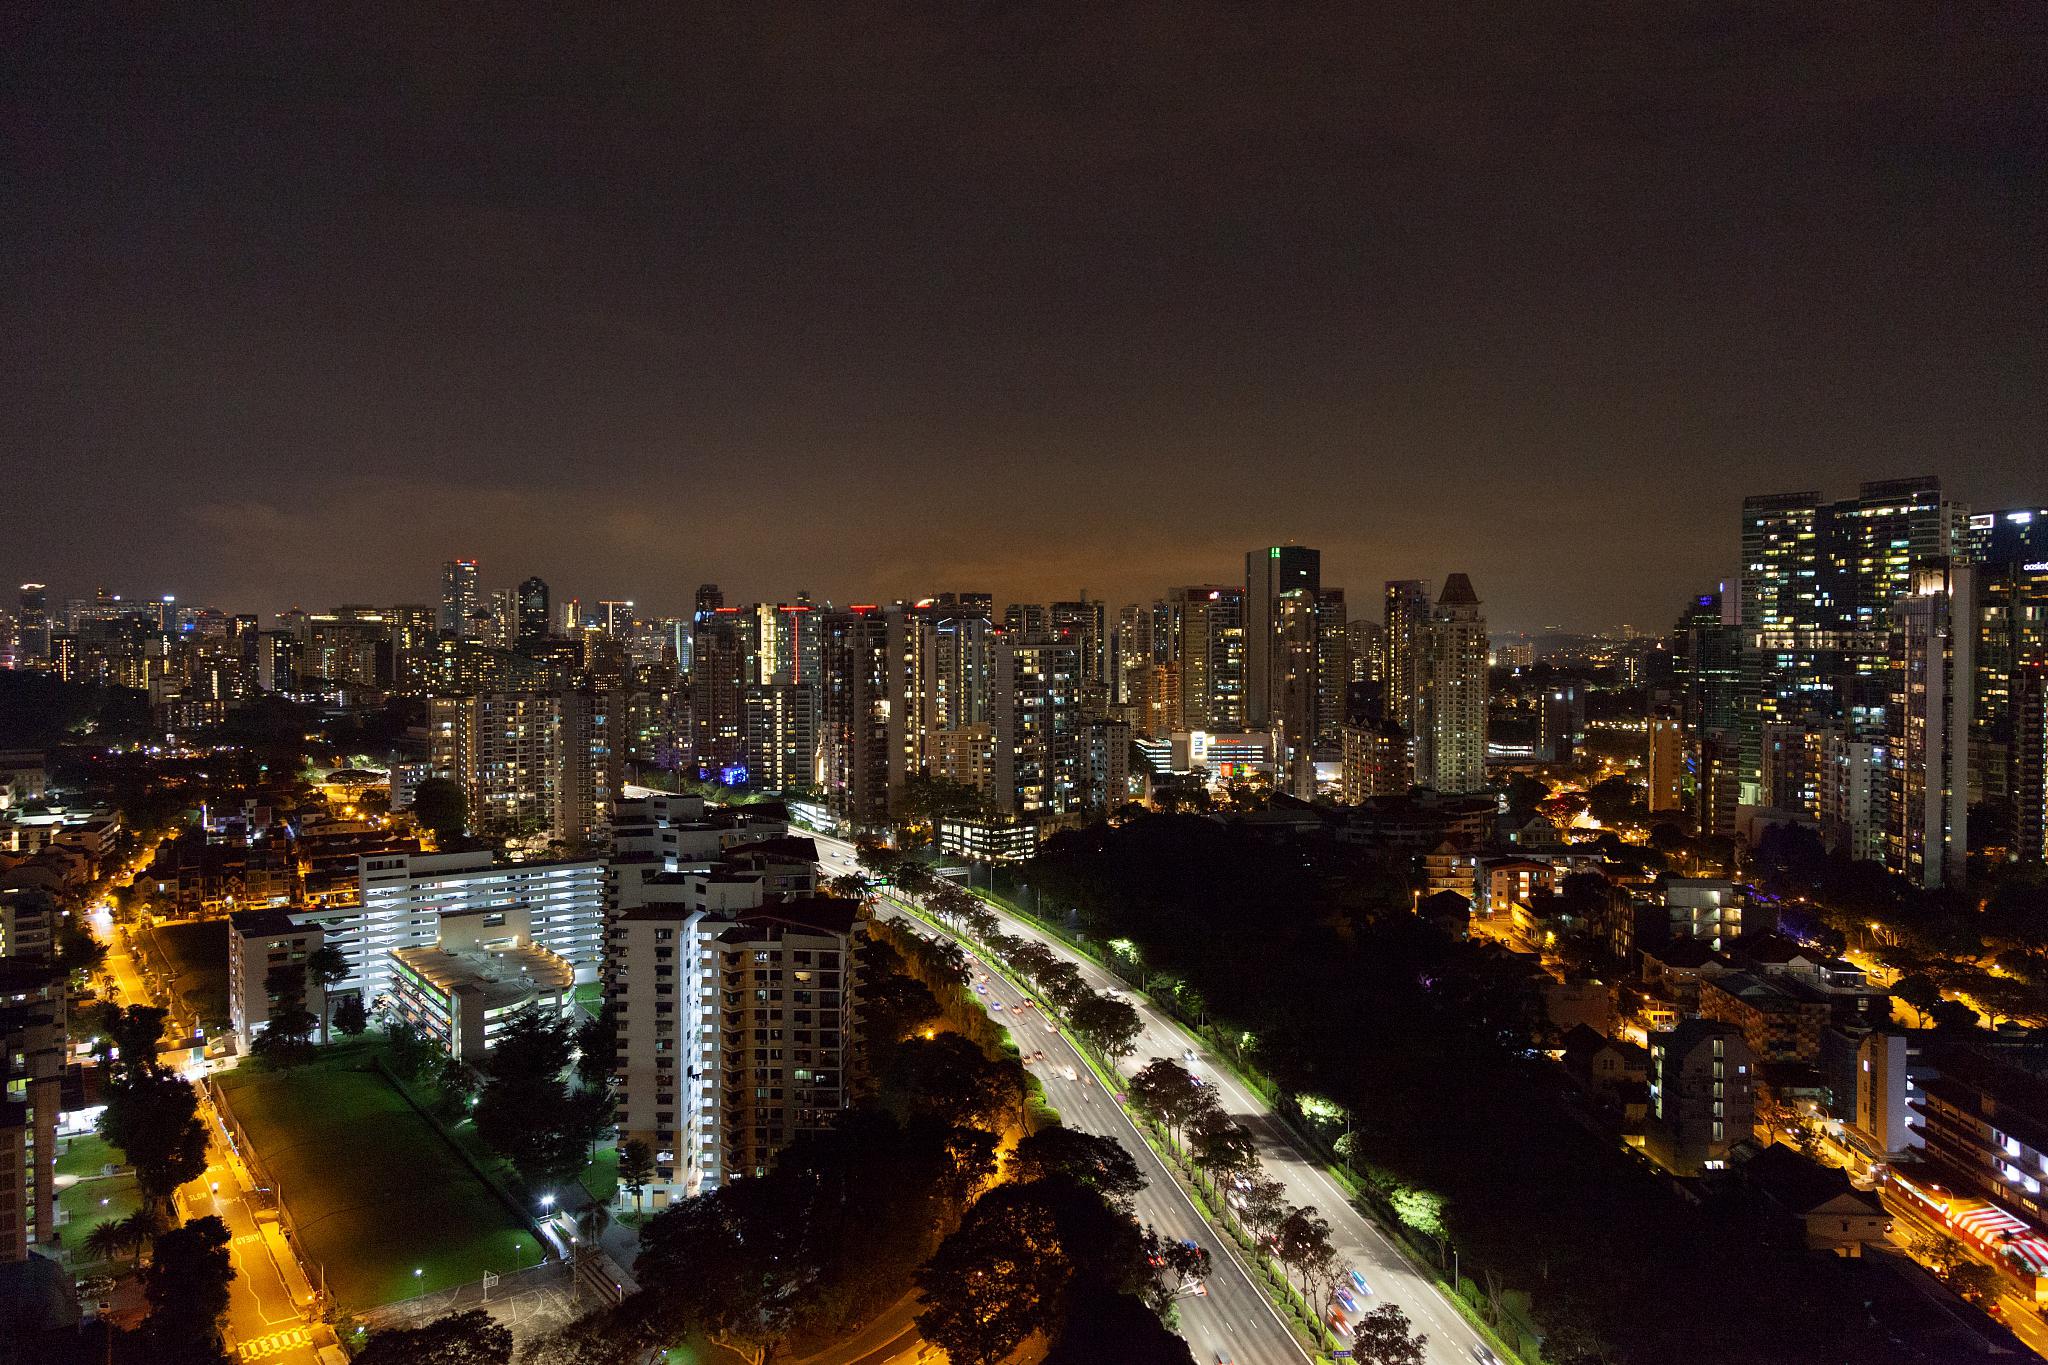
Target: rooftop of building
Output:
[
  {"x": 1798, "y": 1184},
  {"x": 265, "y": 923},
  {"x": 503, "y": 976},
  {"x": 810, "y": 914}
]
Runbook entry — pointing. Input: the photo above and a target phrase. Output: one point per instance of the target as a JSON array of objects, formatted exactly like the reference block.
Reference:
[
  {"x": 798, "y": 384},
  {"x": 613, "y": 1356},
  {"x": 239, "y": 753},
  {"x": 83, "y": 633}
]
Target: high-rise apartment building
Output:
[
  {"x": 1931, "y": 699},
  {"x": 780, "y": 735},
  {"x": 1270, "y": 573},
  {"x": 1295, "y": 639},
  {"x": 1664, "y": 767},
  {"x": 1083, "y": 624},
  {"x": 1702, "y": 1085},
  {"x": 1407, "y": 626},
  {"x": 1375, "y": 761},
  {"x": 912, "y": 641},
  {"x": 853, "y": 741},
  {"x": 527, "y": 762},
  {"x": 736, "y": 1032},
  {"x": 1451, "y": 745},
  {"x": 963, "y": 638},
  {"x": 722, "y": 666},
  {"x": 2030, "y": 763},
  {"x": 460, "y": 596},
  {"x": 1026, "y": 618},
  {"x": 1036, "y": 713},
  {"x": 1333, "y": 668}
]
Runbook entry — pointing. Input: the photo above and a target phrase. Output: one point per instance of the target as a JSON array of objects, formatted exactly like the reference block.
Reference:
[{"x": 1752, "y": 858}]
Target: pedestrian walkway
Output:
[{"x": 277, "y": 1343}]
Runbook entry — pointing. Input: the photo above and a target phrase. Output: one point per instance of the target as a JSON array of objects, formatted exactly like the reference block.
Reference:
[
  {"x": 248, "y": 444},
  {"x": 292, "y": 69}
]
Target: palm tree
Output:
[
  {"x": 139, "y": 1230},
  {"x": 108, "y": 1239}
]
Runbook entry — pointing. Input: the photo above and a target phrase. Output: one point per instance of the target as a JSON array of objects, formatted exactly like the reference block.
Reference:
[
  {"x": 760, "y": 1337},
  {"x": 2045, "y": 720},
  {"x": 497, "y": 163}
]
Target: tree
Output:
[
  {"x": 1101, "y": 1163},
  {"x": 1954, "y": 1015},
  {"x": 1940, "y": 1252},
  {"x": 140, "y": 1228},
  {"x": 1613, "y": 801},
  {"x": 893, "y": 1007},
  {"x": 471, "y": 1338},
  {"x": 154, "y": 1121},
  {"x": 1383, "y": 1337},
  {"x": 636, "y": 1168},
  {"x": 1101, "y": 1325},
  {"x": 1302, "y": 1242},
  {"x": 1223, "y": 1148},
  {"x": 440, "y": 805},
  {"x": 851, "y": 886},
  {"x": 108, "y": 1239},
  {"x": 526, "y": 1113},
  {"x": 1981, "y": 1284},
  {"x": 1030, "y": 958},
  {"x": 325, "y": 968},
  {"x": 947, "y": 1078},
  {"x": 350, "y": 1016},
  {"x": 1918, "y": 990},
  {"x": 1061, "y": 983},
  {"x": 187, "y": 1289},
  {"x": 1262, "y": 1204},
  {"x": 725, "y": 1263},
  {"x": 597, "y": 1047},
  {"x": 286, "y": 1039},
  {"x": 1163, "y": 1091},
  {"x": 411, "y": 1055},
  {"x": 1111, "y": 1025}
]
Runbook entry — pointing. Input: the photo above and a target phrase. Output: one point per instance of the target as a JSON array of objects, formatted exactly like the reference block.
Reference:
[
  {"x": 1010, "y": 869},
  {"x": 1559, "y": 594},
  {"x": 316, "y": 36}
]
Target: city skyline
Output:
[{"x": 594, "y": 337}]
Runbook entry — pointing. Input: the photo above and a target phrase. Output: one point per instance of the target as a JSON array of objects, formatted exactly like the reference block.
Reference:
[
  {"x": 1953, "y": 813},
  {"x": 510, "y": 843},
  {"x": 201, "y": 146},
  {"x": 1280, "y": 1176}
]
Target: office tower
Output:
[
  {"x": 709, "y": 600},
  {"x": 615, "y": 616},
  {"x": 853, "y": 742},
  {"x": 767, "y": 629},
  {"x": 33, "y": 623},
  {"x": 572, "y": 616},
  {"x": 736, "y": 1029},
  {"x": 533, "y": 613},
  {"x": 498, "y": 625},
  {"x": 1270, "y": 573},
  {"x": 1560, "y": 721},
  {"x": 2017, "y": 535},
  {"x": 1451, "y": 744},
  {"x": 1035, "y": 710},
  {"x": 2030, "y": 763},
  {"x": 1706, "y": 663},
  {"x": 1375, "y": 760},
  {"x": 1407, "y": 624},
  {"x": 1293, "y": 639},
  {"x": 963, "y": 637},
  {"x": 1208, "y": 649},
  {"x": 912, "y": 643},
  {"x": 1931, "y": 696},
  {"x": 459, "y": 595},
  {"x": 1664, "y": 765},
  {"x": 722, "y": 667},
  {"x": 1333, "y": 667},
  {"x": 781, "y": 735},
  {"x": 1818, "y": 583}
]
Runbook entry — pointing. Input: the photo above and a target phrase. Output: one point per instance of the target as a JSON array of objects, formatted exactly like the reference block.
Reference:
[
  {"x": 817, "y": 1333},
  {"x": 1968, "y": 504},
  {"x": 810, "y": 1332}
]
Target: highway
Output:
[
  {"x": 1359, "y": 1242},
  {"x": 1235, "y": 1318}
]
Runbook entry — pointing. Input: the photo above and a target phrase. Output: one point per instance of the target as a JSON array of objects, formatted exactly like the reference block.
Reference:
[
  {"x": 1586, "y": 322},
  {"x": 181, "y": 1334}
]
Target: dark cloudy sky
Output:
[{"x": 885, "y": 298}]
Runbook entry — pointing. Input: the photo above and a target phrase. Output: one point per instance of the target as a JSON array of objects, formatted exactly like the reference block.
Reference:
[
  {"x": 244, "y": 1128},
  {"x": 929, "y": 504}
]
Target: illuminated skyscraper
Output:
[
  {"x": 1931, "y": 694},
  {"x": 459, "y": 595},
  {"x": 1270, "y": 573},
  {"x": 533, "y": 613},
  {"x": 1208, "y": 652},
  {"x": 1035, "y": 710},
  {"x": 1407, "y": 624},
  {"x": 1451, "y": 744}
]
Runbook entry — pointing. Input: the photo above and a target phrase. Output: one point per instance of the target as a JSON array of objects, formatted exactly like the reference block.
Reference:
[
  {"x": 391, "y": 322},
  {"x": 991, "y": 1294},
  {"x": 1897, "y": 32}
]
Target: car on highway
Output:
[
  {"x": 1188, "y": 1055},
  {"x": 1484, "y": 1355},
  {"x": 1345, "y": 1300},
  {"x": 996, "y": 1005},
  {"x": 1358, "y": 1283},
  {"x": 1070, "y": 1073}
]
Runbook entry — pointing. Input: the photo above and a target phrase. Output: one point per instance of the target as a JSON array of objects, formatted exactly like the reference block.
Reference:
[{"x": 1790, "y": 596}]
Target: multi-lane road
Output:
[{"x": 1360, "y": 1244}]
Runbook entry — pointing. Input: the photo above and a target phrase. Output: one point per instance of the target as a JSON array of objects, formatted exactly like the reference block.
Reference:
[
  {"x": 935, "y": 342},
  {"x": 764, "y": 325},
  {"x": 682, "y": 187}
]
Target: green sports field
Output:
[{"x": 374, "y": 1190}]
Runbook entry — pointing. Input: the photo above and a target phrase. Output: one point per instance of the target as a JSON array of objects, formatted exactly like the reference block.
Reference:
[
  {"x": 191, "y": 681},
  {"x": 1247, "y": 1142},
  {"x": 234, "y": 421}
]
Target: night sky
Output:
[{"x": 883, "y": 299}]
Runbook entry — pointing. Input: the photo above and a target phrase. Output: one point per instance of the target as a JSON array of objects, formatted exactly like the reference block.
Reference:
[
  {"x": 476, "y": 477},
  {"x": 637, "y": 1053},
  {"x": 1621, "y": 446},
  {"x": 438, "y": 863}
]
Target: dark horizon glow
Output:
[{"x": 883, "y": 302}]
